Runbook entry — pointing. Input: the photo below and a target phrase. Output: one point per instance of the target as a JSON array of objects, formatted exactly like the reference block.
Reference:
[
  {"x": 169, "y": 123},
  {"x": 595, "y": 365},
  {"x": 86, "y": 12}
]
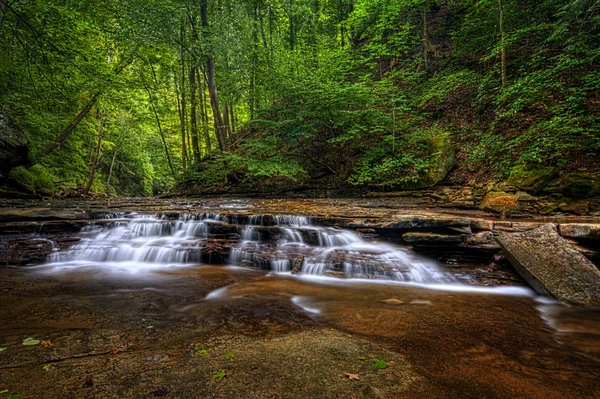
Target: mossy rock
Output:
[
  {"x": 531, "y": 178},
  {"x": 580, "y": 185},
  {"x": 36, "y": 179},
  {"x": 442, "y": 161},
  {"x": 499, "y": 202},
  {"x": 581, "y": 208}
]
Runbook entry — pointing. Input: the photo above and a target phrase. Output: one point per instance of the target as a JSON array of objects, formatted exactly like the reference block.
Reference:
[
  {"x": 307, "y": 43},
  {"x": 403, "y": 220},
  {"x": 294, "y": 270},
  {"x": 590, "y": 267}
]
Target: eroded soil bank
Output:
[{"x": 174, "y": 331}]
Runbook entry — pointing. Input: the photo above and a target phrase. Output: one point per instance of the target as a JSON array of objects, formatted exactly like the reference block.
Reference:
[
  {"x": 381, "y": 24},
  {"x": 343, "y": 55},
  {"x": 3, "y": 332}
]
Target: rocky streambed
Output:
[{"x": 247, "y": 298}]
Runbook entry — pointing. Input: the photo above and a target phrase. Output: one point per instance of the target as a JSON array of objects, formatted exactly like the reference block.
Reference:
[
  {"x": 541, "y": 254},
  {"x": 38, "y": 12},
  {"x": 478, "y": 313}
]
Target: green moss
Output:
[
  {"x": 579, "y": 185},
  {"x": 21, "y": 177},
  {"x": 531, "y": 178},
  {"x": 36, "y": 179}
]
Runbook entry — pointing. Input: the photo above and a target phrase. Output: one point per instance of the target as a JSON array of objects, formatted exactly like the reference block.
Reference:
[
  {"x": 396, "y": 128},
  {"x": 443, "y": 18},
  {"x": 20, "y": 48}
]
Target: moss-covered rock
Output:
[
  {"x": 443, "y": 159},
  {"x": 580, "y": 185},
  {"x": 499, "y": 202},
  {"x": 36, "y": 179},
  {"x": 13, "y": 148},
  {"x": 579, "y": 208},
  {"x": 531, "y": 178}
]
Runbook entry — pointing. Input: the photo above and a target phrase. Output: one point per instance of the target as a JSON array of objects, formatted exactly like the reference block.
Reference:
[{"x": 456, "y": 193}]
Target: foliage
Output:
[
  {"x": 351, "y": 92},
  {"x": 219, "y": 375},
  {"x": 379, "y": 364}
]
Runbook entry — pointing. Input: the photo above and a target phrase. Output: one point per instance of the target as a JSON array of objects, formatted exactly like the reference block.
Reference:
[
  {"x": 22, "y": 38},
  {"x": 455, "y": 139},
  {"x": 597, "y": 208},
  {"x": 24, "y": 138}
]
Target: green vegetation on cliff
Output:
[{"x": 134, "y": 98}]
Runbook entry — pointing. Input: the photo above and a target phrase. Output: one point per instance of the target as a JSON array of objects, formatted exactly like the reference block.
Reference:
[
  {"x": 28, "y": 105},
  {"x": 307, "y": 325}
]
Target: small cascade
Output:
[{"x": 278, "y": 243}]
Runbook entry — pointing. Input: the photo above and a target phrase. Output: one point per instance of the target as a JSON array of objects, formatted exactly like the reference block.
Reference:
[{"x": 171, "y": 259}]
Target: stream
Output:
[{"x": 135, "y": 297}]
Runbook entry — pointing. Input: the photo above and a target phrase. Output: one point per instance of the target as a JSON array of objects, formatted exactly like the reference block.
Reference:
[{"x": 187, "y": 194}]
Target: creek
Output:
[{"x": 160, "y": 286}]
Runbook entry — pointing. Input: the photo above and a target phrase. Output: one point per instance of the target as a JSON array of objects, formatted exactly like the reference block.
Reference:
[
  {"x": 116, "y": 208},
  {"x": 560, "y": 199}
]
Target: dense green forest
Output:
[{"x": 141, "y": 97}]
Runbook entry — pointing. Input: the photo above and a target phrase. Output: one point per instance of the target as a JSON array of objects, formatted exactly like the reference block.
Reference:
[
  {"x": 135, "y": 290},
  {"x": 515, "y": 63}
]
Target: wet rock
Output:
[
  {"x": 552, "y": 266},
  {"x": 531, "y": 178},
  {"x": 482, "y": 238},
  {"x": 579, "y": 230},
  {"x": 499, "y": 202},
  {"x": 420, "y": 302},
  {"x": 579, "y": 208},
  {"x": 431, "y": 239},
  {"x": 392, "y": 301},
  {"x": 297, "y": 268},
  {"x": 40, "y": 214}
]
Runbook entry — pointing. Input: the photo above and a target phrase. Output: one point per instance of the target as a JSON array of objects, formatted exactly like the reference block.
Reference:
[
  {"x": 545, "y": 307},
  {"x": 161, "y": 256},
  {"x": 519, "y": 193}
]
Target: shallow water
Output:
[{"x": 144, "y": 273}]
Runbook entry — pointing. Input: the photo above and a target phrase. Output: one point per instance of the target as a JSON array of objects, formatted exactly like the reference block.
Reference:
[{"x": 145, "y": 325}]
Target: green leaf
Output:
[
  {"x": 361, "y": 357},
  {"x": 380, "y": 364},
  {"x": 219, "y": 375},
  {"x": 31, "y": 342},
  {"x": 229, "y": 356},
  {"x": 2, "y": 349}
]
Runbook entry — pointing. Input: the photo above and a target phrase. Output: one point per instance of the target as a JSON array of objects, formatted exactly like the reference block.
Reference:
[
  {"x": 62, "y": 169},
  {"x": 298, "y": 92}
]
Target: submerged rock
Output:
[{"x": 552, "y": 266}]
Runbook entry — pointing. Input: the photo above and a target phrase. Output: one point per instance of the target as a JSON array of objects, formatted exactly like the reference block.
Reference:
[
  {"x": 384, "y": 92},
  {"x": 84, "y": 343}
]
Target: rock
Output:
[
  {"x": 482, "y": 238},
  {"x": 548, "y": 208},
  {"x": 420, "y": 302},
  {"x": 579, "y": 185},
  {"x": 499, "y": 202},
  {"x": 531, "y": 178},
  {"x": 578, "y": 208},
  {"x": 392, "y": 301},
  {"x": 444, "y": 160},
  {"x": 431, "y": 239},
  {"x": 552, "y": 266},
  {"x": 579, "y": 230},
  {"x": 14, "y": 148},
  {"x": 297, "y": 267},
  {"x": 524, "y": 197}
]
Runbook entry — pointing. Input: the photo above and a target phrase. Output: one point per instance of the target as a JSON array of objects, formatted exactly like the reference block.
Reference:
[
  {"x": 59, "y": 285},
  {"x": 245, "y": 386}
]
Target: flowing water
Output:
[
  {"x": 269, "y": 273},
  {"x": 144, "y": 242}
]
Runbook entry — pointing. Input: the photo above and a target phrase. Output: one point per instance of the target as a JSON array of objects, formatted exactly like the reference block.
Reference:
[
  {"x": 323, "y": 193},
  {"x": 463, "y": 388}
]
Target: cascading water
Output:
[{"x": 272, "y": 242}]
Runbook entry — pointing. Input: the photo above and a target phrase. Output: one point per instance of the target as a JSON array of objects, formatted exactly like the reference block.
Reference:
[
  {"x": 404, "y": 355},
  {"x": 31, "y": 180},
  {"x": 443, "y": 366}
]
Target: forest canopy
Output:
[{"x": 138, "y": 97}]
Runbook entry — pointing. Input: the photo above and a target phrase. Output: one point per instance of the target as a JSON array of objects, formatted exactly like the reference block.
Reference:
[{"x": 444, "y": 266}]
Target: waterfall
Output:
[{"x": 272, "y": 242}]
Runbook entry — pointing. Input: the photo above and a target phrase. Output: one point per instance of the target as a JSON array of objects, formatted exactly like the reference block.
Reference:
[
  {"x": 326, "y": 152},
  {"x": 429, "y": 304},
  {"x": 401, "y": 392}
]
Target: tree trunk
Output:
[
  {"x": 69, "y": 129},
  {"x": 204, "y": 115},
  {"x": 503, "y": 53},
  {"x": 160, "y": 130},
  {"x": 184, "y": 150},
  {"x": 426, "y": 42},
  {"x": 193, "y": 115},
  {"x": 232, "y": 119},
  {"x": 210, "y": 80},
  {"x": 96, "y": 154}
]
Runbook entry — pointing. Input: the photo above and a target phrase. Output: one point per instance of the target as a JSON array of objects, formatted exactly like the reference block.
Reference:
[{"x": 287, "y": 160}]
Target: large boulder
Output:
[
  {"x": 531, "y": 178},
  {"x": 552, "y": 266},
  {"x": 580, "y": 185},
  {"x": 14, "y": 148},
  {"x": 443, "y": 160}
]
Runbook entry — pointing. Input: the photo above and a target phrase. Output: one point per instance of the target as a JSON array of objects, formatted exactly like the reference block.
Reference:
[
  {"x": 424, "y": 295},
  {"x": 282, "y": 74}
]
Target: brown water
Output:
[{"x": 124, "y": 314}]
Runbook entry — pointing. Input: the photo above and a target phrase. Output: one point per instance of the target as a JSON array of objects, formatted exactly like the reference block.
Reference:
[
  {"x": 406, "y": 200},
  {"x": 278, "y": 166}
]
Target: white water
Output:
[{"x": 138, "y": 243}]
